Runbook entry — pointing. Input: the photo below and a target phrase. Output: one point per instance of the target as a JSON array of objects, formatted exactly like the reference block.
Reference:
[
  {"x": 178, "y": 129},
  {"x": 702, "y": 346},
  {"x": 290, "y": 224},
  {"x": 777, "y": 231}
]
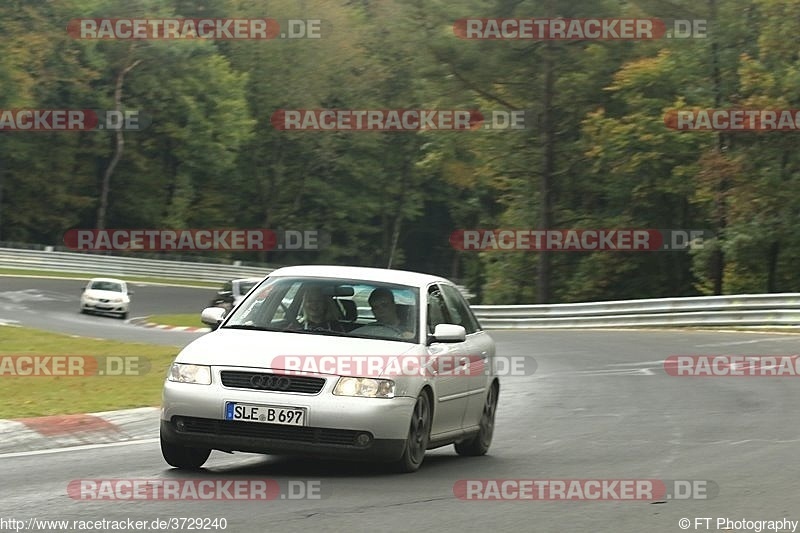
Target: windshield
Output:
[
  {"x": 335, "y": 307},
  {"x": 106, "y": 286}
]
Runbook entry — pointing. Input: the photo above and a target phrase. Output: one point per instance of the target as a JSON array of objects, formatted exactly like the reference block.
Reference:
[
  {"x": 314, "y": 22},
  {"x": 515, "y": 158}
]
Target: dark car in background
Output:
[{"x": 232, "y": 292}]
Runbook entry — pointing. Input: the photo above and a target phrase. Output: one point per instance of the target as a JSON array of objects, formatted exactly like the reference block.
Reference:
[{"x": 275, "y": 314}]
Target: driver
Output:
[{"x": 320, "y": 312}]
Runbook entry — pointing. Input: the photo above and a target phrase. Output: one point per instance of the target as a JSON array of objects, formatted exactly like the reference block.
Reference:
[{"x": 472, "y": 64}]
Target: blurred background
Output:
[{"x": 595, "y": 153}]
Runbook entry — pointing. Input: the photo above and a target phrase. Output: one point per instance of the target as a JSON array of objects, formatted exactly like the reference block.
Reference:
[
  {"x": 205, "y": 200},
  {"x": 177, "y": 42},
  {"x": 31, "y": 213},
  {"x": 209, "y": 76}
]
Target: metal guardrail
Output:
[
  {"x": 109, "y": 265},
  {"x": 115, "y": 266},
  {"x": 748, "y": 310}
]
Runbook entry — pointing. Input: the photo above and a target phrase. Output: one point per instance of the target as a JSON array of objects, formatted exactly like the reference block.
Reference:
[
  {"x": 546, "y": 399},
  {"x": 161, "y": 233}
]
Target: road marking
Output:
[
  {"x": 753, "y": 341},
  {"x": 79, "y": 448}
]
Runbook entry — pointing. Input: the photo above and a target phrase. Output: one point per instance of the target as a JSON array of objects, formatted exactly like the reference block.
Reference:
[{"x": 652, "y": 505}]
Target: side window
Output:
[
  {"x": 437, "y": 312},
  {"x": 460, "y": 312},
  {"x": 227, "y": 287}
]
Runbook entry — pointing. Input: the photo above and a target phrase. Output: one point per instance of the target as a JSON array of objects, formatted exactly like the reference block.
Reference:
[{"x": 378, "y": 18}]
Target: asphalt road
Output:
[
  {"x": 599, "y": 406},
  {"x": 52, "y": 305}
]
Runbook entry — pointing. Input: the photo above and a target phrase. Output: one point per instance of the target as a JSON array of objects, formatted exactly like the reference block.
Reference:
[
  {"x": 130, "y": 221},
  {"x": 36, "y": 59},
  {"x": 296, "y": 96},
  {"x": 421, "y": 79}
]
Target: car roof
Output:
[
  {"x": 247, "y": 279},
  {"x": 113, "y": 280},
  {"x": 383, "y": 275}
]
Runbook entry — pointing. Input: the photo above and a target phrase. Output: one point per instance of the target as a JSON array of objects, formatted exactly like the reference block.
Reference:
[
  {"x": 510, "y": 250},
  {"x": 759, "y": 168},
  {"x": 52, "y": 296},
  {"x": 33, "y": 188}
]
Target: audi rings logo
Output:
[{"x": 270, "y": 382}]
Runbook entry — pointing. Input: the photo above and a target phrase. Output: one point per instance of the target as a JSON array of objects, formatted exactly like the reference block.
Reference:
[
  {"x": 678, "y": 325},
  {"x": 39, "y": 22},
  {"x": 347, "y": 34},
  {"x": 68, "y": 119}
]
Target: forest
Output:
[{"x": 599, "y": 148}]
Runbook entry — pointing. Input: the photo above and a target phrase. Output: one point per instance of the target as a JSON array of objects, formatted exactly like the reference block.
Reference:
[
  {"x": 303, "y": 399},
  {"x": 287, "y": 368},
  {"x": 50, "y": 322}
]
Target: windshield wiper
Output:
[
  {"x": 320, "y": 332},
  {"x": 250, "y": 327}
]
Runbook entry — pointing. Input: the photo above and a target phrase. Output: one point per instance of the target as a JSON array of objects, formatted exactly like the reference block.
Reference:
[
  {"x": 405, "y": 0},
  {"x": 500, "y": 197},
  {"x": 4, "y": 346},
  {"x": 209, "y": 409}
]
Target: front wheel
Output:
[
  {"x": 419, "y": 433},
  {"x": 479, "y": 444},
  {"x": 184, "y": 457}
]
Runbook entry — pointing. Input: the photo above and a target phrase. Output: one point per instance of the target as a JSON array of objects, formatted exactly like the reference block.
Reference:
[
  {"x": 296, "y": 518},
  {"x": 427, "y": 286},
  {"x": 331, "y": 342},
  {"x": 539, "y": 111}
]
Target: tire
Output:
[
  {"x": 84, "y": 311},
  {"x": 183, "y": 457},
  {"x": 124, "y": 316},
  {"x": 419, "y": 434},
  {"x": 479, "y": 444}
]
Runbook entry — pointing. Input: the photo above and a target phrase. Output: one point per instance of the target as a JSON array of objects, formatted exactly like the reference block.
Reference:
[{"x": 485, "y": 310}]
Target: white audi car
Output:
[
  {"x": 106, "y": 295},
  {"x": 347, "y": 362}
]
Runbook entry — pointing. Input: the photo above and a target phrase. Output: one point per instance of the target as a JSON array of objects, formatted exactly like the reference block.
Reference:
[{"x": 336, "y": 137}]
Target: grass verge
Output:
[{"x": 26, "y": 396}]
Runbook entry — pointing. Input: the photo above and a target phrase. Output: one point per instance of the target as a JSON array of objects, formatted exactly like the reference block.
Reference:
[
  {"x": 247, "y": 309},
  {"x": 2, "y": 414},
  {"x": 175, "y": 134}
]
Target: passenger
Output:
[{"x": 386, "y": 312}]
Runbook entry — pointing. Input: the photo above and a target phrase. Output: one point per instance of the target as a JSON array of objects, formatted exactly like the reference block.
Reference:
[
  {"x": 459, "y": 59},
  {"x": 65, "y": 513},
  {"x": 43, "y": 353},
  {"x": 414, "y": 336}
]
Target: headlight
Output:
[
  {"x": 365, "y": 387},
  {"x": 198, "y": 374},
  {"x": 117, "y": 300}
]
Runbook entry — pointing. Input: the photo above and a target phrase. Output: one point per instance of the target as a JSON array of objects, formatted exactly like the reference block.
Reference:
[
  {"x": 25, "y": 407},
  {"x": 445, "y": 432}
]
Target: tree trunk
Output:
[
  {"x": 543, "y": 289},
  {"x": 2, "y": 181},
  {"x": 772, "y": 266},
  {"x": 718, "y": 257},
  {"x": 120, "y": 146}
]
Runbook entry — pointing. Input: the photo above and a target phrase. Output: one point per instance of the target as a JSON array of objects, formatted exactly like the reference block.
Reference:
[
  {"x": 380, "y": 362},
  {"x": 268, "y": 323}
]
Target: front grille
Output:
[
  {"x": 310, "y": 435},
  {"x": 271, "y": 382}
]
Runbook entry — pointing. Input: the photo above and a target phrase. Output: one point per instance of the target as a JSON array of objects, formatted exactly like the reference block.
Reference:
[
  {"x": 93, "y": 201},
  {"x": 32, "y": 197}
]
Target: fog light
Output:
[
  {"x": 363, "y": 439},
  {"x": 180, "y": 424}
]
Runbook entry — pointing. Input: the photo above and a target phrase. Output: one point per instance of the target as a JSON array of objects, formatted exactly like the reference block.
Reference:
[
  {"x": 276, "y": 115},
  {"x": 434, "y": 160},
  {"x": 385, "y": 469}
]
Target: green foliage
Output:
[{"x": 595, "y": 146}]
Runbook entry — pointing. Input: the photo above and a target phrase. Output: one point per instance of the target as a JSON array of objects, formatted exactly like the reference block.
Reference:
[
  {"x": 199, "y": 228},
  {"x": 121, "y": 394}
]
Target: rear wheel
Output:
[
  {"x": 479, "y": 444},
  {"x": 183, "y": 456},
  {"x": 419, "y": 434}
]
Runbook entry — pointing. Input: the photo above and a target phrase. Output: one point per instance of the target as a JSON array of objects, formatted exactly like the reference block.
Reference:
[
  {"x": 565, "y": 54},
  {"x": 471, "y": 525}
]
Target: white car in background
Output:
[{"x": 106, "y": 296}]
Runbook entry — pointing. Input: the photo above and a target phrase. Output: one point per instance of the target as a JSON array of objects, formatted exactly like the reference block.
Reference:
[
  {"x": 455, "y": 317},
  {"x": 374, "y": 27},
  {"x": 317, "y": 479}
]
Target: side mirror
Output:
[
  {"x": 449, "y": 333},
  {"x": 212, "y": 316}
]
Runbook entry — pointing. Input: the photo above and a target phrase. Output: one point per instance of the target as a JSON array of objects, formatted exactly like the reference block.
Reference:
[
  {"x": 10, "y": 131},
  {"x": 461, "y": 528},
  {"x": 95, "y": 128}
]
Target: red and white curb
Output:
[
  {"x": 165, "y": 327},
  {"x": 59, "y": 431},
  {"x": 142, "y": 322}
]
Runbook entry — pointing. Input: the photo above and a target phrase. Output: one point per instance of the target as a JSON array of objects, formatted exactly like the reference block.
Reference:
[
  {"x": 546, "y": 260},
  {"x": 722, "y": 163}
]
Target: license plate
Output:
[{"x": 267, "y": 414}]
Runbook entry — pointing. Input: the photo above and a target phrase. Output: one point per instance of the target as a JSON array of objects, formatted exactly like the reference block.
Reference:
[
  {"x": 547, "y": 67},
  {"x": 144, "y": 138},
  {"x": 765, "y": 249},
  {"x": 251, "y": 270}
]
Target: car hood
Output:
[
  {"x": 109, "y": 295},
  {"x": 258, "y": 349}
]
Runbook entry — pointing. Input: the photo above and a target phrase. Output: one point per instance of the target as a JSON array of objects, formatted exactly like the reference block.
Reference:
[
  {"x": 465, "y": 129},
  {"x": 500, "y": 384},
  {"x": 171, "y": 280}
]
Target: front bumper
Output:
[
  {"x": 338, "y": 426},
  {"x": 105, "y": 307},
  {"x": 275, "y": 440}
]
